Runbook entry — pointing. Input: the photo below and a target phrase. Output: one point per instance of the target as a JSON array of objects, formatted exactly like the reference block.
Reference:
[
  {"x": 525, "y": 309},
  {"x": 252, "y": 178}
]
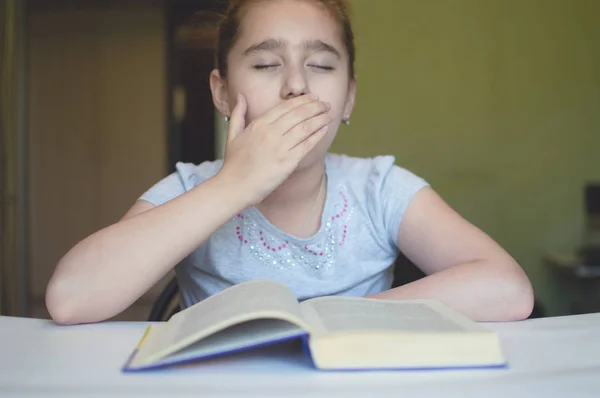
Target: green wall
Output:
[{"x": 496, "y": 103}]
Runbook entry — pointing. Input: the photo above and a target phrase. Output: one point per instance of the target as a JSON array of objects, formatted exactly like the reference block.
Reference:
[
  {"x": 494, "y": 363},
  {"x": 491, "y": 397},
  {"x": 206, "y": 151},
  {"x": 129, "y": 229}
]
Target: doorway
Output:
[{"x": 191, "y": 38}]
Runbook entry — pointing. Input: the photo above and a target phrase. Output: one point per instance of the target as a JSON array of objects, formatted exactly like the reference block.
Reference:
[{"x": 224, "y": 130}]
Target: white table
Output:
[{"x": 551, "y": 357}]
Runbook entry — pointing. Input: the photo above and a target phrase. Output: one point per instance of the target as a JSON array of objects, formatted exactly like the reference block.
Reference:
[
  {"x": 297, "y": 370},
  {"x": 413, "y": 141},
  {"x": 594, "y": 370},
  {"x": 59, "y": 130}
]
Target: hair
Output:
[{"x": 229, "y": 29}]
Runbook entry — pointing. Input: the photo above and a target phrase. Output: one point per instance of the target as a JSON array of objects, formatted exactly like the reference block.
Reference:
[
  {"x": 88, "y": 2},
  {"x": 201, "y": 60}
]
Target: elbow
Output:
[
  {"x": 60, "y": 299},
  {"x": 518, "y": 298},
  {"x": 64, "y": 305},
  {"x": 69, "y": 297},
  {"x": 68, "y": 305},
  {"x": 62, "y": 311},
  {"x": 527, "y": 301},
  {"x": 508, "y": 293},
  {"x": 523, "y": 305},
  {"x": 62, "y": 315}
]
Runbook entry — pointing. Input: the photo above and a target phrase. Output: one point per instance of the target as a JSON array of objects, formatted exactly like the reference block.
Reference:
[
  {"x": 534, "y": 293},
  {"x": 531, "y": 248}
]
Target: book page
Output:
[
  {"x": 339, "y": 314},
  {"x": 237, "y": 337},
  {"x": 240, "y": 303}
]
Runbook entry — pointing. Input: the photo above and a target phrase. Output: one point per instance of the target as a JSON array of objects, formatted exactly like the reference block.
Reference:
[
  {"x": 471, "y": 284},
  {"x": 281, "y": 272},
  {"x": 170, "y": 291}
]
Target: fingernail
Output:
[{"x": 327, "y": 106}]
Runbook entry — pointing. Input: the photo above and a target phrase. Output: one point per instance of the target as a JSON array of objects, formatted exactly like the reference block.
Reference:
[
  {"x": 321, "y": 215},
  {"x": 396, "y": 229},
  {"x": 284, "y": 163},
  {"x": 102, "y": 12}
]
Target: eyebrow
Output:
[
  {"x": 266, "y": 45},
  {"x": 321, "y": 46},
  {"x": 311, "y": 45}
]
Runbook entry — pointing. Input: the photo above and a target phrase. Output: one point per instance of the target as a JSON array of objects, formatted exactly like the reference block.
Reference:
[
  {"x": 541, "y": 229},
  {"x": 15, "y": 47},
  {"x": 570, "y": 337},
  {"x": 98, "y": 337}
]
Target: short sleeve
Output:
[
  {"x": 185, "y": 177},
  {"x": 392, "y": 189}
]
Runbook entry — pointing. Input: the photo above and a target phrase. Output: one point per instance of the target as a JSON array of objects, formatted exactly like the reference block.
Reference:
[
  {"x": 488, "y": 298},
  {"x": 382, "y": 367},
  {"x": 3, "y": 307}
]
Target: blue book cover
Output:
[{"x": 336, "y": 333}]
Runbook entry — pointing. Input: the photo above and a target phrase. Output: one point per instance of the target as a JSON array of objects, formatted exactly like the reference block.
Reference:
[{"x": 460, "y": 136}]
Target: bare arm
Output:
[
  {"x": 106, "y": 272},
  {"x": 466, "y": 269},
  {"x": 109, "y": 270}
]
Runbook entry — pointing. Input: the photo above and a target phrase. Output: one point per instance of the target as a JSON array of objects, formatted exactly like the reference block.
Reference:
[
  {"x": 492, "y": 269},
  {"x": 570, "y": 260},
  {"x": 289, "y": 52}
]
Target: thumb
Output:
[{"x": 237, "y": 122}]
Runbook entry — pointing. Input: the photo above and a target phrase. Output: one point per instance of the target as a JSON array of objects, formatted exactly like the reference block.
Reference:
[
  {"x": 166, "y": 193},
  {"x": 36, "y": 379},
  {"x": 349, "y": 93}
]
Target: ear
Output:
[
  {"x": 350, "y": 98},
  {"x": 218, "y": 87}
]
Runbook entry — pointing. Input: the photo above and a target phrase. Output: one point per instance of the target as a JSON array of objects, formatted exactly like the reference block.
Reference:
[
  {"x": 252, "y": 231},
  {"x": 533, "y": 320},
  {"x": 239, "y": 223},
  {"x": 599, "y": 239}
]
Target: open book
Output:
[{"x": 338, "y": 332}]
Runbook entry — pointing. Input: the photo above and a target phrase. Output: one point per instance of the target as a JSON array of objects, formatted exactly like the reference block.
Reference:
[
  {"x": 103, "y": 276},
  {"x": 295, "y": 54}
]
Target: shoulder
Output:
[
  {"x": 380, "y": 187},
  {"x": 373, "y": 173},
  {"x": 185, "y": 177},
  {"x": 192, "y": 175}
]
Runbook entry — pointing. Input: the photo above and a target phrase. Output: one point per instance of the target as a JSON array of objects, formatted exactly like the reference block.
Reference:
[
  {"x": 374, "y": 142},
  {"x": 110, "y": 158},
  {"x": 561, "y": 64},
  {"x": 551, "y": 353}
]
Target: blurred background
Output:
[{"x": 496, "y": 103}]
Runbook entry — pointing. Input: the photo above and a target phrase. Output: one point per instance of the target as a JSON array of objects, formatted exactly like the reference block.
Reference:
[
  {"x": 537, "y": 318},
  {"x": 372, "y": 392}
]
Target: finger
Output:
[
  {"x": 284, "y": 107},
  {"x": 301, "y": 114},
  {"x": 303, "y": 148},
  {"x": 237, "y": 121},
  {"x": 305, "y": 129}
]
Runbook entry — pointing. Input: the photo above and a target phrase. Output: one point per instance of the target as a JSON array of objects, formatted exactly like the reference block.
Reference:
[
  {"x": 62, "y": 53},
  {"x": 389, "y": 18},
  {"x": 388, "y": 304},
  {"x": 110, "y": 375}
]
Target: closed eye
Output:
[
  {"x": 323, "y": 67},
  {"x": 263, "y": 67}
]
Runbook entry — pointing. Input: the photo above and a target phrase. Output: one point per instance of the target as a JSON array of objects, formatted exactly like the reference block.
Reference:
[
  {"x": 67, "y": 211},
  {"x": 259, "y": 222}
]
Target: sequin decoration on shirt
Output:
[{"x": 282, "y": 253}]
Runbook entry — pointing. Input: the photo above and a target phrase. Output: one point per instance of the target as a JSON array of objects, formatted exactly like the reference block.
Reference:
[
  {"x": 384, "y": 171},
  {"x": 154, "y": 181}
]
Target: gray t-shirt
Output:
[{"x": 352, "y": 253}]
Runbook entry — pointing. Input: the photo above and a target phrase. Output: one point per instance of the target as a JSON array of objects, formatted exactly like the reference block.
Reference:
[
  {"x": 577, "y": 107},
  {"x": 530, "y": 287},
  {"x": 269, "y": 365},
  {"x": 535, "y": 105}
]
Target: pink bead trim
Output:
[
  {"x": 240, "y": 235},
  {"x": 238, "y": 230},
  {"x": 283, "y": 246},
  {"x": 344, "y": 235},
  {"x": 341, "y": 213},
  {"x": 269, "y": 247}
]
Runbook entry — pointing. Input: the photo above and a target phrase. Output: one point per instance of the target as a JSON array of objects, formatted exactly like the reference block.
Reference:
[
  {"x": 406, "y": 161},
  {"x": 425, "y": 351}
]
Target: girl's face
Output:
[{"x": 288, "y": 48}]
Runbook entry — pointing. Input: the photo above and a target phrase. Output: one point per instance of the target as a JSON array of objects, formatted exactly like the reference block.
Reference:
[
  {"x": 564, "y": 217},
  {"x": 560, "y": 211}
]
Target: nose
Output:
[{"x": 294, "y": 84}]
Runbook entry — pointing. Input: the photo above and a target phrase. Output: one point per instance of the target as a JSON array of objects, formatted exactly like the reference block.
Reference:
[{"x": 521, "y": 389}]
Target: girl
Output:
[{"x": 279, "y": 206}]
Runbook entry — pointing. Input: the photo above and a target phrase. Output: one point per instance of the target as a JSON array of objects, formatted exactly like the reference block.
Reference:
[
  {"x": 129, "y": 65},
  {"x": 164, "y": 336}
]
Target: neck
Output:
[{"x": 300, "y": 187}]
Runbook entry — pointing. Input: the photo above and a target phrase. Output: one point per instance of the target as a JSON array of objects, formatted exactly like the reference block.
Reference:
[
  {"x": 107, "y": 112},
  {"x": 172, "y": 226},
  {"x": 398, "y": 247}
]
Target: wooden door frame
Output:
[{"x": 14, "y": 272}]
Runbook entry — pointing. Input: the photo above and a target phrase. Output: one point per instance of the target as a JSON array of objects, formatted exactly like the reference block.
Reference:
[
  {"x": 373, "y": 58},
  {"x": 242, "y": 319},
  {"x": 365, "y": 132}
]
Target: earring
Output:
[
  {"x": 226, "y": 119},
  {"x": 346, "y": 122}
]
